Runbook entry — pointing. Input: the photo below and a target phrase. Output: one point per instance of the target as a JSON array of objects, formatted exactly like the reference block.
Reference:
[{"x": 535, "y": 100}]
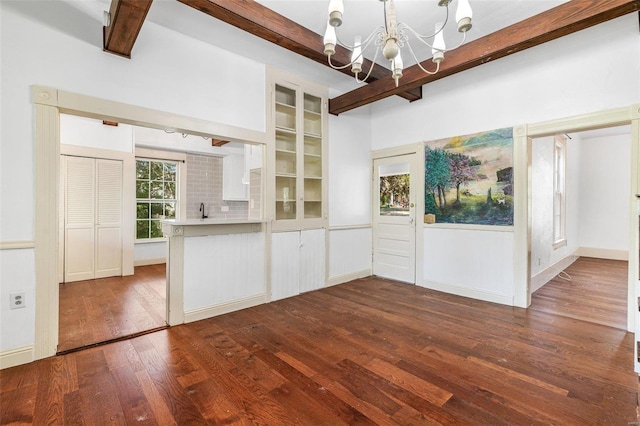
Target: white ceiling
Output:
[{"x": 360, "y": 17}]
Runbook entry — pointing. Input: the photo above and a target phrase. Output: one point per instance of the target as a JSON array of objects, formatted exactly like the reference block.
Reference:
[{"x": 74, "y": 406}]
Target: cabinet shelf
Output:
[{"x": 300, "y": 122}]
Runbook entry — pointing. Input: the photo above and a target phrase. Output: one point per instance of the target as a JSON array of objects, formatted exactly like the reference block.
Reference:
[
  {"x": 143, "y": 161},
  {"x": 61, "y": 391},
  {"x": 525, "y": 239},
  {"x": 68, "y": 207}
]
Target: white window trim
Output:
[
  {"x": 560, "y": 186},
  {"x": 181, "y": 159}
]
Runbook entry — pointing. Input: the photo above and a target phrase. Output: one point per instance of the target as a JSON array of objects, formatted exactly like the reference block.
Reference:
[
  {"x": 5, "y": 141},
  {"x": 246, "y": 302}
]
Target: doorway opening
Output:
[{"x": 580, "y": 206}]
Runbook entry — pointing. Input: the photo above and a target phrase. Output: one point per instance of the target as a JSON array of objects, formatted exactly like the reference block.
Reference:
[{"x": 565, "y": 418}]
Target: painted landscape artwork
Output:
[{"x": 469, "y": 179}]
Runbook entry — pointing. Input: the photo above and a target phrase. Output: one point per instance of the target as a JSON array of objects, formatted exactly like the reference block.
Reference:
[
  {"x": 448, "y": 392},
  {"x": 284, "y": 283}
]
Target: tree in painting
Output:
[
  {"x": 462, "y": 169},
  {"x": 438, "y": 176},
  {"x": 469, "y": 179}
]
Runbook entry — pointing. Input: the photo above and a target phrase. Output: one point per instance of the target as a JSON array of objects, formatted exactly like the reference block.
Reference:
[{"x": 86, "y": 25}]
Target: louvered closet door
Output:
[
  {"x": 108, "y": 241},
  {"x": 79, "y": 225}
]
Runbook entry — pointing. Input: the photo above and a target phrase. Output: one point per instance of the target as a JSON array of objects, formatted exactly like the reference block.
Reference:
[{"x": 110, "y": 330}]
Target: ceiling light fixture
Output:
[{"x": 391, "y": 37}]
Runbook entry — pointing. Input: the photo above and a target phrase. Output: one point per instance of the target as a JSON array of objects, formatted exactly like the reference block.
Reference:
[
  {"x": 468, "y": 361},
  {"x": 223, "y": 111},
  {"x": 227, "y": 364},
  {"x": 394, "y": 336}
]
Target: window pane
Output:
[
  {"x": 142, "y": 189},
  {"x": 170, "y": 171},
  {"x": 156, "y": 229},
  {"x": 170, "y": 210},
  {"x": 142, "y": 211},
  {"x": 142, "y": 229},
  {"x": 156, "y": 210},
  {"x": 169, "y": 190},
  {"x": 156, "y": 171},
  {"x": 142, "y": 169},
  {"x": 156, "y": 190},
  {"x": 394, "y": 195}
]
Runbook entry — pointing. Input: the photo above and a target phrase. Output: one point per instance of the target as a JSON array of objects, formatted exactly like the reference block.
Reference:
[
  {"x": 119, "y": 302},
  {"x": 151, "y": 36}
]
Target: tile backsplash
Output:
[{"x": 204, "y": 185}]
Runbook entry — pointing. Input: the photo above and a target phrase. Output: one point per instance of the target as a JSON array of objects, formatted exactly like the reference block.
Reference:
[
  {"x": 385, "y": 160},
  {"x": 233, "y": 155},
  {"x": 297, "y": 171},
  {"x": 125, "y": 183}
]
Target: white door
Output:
[
  {"x": 285, "y": 264},
  {"x": 79, "y": 221},
  {"x": 394, "y": 218},
  {"x": 108, "y": 247},
  {"x": 92, "y": 218}
]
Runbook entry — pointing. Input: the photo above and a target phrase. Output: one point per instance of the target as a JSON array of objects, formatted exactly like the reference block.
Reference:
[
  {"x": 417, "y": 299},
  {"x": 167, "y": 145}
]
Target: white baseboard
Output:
[
  {"x": 487, "y": 296},
  {"x": 543, "y": 277},
  {"x": 601, "y": 253},
  {"x": 150, "y": 261},
  {"x": 224, "y": 308},
  {"x": 344, "y": 278},
  {"x": 17, "y": 356}
]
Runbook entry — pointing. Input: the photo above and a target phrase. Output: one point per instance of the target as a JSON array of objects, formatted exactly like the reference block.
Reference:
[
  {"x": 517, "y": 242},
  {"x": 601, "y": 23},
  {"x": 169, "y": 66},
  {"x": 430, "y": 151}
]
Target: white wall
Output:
[
  {"x": 605, "y": 181},
  {"x": 566, "y": 77},
  {"x": 59, "y": 44},
  {"x": 546, "y": 262},
  {"x": 349, "y": 196},
  {"x": 90, "y": 133}
]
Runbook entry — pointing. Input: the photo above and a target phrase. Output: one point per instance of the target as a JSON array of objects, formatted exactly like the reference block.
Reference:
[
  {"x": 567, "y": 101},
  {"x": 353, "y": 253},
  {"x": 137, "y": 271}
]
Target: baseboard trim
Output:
[
  {"x": 150, "y": 261},
  {"x": 473, "y": 293},
  {"x": 546, "y": 275},
  {"x": 224, "y": 308},
  {"x": 345, "y": 278},
  {"x": 600, "y": 253},
  {"x": 17, "y": 356}
]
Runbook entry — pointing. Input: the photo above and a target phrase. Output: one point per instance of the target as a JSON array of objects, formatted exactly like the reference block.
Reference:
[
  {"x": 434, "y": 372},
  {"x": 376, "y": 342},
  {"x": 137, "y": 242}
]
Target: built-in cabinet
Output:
[
  {"x": 297, "y": 262},
  {"x": 297, "y": 185},
  {"x": 300, "y": 157}
]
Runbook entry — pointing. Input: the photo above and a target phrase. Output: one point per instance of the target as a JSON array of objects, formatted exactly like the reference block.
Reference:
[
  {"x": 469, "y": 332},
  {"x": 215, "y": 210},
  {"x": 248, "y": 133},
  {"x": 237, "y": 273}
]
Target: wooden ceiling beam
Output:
[
  {"x": 263, "y": 22},
  {"x": 562, "y": 20},
  {"x": 127, "y": 17}
]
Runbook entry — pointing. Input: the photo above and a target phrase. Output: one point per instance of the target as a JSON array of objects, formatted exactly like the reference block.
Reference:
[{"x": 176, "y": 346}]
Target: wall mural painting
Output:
[{"x": 469, "y": 179}]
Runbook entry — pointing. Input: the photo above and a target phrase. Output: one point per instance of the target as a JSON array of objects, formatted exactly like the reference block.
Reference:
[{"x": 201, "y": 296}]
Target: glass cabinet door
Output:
[
  {"x": 286, "y": 153},
  {"x": 312, "y": 156}
]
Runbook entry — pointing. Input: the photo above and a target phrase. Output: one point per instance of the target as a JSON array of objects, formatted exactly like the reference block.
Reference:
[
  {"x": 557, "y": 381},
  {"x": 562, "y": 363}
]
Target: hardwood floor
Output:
[
  {"x": 95, "y": 311},
  {"x": 596, "y": 293},
  {"x": 370, "y": 351}
]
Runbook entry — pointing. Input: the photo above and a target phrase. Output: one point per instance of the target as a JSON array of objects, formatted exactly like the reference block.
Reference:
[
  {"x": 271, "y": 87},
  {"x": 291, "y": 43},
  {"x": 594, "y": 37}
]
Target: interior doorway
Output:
[
  {"x": 580, "y": 207},
  {"x": 394, "y": 218}
]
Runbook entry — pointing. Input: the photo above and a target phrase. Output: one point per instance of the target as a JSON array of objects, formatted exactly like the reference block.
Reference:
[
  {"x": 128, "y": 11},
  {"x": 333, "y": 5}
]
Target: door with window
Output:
[{"x": 394, "y": 218}]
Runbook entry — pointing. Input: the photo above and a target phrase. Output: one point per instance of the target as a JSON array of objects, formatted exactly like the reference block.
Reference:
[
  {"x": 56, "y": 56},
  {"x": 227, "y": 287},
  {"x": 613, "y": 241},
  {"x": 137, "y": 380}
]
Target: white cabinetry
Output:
[
  {"x": 297, "y": 262},
  {"x": 299, "y": 124},
  {"x": 234, "y": 187}
]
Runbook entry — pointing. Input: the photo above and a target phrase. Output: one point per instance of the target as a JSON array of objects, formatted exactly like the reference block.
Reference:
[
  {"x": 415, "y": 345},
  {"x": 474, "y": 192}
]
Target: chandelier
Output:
[{"x": 391, "y": 37}]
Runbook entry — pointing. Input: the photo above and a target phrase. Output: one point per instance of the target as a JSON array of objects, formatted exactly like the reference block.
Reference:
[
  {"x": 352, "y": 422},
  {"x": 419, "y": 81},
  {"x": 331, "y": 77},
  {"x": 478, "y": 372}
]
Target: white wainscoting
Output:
[
  {"x": 470, "y": 262},
  {"x": 221, "y": 269},
  {"x": 349, "y": 253}
]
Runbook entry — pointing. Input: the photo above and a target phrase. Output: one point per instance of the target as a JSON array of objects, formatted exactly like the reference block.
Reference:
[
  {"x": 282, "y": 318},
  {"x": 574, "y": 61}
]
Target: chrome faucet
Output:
[{"x": 202, "y": 210}]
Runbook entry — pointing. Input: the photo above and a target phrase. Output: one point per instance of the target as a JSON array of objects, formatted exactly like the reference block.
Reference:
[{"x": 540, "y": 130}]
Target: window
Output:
[
  {"x": 156, "y": 196},
  {"x": 559, "y": 204}
]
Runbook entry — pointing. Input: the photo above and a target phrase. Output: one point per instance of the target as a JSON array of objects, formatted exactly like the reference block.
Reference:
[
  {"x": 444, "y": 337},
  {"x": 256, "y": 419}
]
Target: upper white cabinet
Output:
[
  {"x": 234, "y": 185},
  {"x": 299, "y": 124}
]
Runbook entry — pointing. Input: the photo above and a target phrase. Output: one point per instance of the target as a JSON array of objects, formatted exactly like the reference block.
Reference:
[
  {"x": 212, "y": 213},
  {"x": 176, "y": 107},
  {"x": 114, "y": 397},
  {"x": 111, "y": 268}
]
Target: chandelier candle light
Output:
[{"x": 391, "y": 37}]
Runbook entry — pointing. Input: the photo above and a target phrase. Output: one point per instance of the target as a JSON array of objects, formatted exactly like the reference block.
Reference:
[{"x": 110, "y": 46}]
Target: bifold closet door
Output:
[
  {"x": 108, "y": 240},
  {"x": 93, "y": 216},
  {"x": 79, "y": 241}
]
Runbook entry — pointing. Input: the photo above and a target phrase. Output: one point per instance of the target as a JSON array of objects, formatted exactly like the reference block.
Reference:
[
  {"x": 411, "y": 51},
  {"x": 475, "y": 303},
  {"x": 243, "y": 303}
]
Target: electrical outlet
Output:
[
  {"x": 225, "y": 208},
  {"x": 16, "y": 300}
]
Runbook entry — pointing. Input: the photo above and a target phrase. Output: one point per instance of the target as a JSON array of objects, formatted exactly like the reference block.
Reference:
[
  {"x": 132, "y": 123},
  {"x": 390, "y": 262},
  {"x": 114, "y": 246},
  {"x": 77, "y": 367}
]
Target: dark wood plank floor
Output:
[
  {"x": 370, "y": 351},
  {"x": 596, "y": 293},
  {"x": 95, "y": 311}
]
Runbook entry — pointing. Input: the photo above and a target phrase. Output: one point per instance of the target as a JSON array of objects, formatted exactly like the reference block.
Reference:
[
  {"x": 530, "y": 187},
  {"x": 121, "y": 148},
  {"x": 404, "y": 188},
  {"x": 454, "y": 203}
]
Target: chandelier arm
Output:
[
  {"x": 373, "y": 63},
  {"x": 338, "y": 67},
  {"x": 421, "y": 40},
  {"x": 418, "y": 62},
  {"x": 417, "y": 34},
  {"x": 366, "y": 41}
]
